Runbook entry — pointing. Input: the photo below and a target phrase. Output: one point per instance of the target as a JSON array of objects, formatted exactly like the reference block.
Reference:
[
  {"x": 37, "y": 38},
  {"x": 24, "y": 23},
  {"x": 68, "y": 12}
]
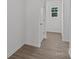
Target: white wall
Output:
[
  {"x": 16, "y": 25},
  {"x": 23, "y": 23},
  {"x": 67, "y": 20},
  {"x": 32, "y": 22}
]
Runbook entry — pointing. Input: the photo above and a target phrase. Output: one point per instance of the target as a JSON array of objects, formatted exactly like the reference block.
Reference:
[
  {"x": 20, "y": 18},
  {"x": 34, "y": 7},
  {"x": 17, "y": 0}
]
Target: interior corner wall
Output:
[
  {"x": 67, "y": 20},
  {"x": 15, "y": 25},
  {"x": 32, "y": 22},
  {"x": 23, "y": 23}
]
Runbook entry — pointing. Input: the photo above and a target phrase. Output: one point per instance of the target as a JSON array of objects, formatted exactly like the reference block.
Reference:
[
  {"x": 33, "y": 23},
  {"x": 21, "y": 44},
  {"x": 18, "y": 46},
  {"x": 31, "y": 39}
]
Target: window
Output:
[{"x": 54, "y": 11}]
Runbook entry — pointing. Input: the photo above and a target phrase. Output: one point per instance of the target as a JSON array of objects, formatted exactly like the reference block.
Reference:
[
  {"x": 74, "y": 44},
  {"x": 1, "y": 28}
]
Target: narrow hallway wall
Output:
[
  {"x": 15, "y": 25},
  {"x": 67, "y": 20},
  {"x": 33, "y": 11}
]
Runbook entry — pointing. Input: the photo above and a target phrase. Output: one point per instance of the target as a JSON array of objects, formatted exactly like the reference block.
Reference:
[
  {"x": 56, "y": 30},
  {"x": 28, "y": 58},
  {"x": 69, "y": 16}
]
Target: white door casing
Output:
[
  {"x": 41, "y": 22},
  {"x": 46, "y": 19}
]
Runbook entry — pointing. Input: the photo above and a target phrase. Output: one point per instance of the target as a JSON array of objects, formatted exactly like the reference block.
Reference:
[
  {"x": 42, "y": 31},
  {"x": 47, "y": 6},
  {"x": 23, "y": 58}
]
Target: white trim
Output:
[
  {"x": 14, "y": 50},
  {"x": 62, "y": 21},
  {"x": 63, "y": 39},
  {"x": 45, "y": 32},
  {"x": 35, "y": 45}
]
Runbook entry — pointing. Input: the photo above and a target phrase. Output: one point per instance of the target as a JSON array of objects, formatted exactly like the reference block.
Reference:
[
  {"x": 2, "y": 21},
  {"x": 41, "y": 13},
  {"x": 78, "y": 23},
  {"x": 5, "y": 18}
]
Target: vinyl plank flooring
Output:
[{"x": 52, "y": 48}]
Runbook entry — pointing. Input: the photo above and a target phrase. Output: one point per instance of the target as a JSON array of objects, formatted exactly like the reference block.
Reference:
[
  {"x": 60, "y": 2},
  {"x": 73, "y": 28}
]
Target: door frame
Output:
[{"x": 45, "y": 20}]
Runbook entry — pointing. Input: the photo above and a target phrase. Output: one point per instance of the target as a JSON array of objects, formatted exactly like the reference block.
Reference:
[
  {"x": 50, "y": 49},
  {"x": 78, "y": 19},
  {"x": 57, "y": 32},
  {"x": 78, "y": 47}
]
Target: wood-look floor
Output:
[{"x": 52, "y": 48}]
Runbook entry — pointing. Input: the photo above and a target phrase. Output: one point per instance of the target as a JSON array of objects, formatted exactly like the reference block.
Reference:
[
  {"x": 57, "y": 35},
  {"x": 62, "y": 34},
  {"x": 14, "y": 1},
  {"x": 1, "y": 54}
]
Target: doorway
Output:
[{"x": 52, "y": 18}]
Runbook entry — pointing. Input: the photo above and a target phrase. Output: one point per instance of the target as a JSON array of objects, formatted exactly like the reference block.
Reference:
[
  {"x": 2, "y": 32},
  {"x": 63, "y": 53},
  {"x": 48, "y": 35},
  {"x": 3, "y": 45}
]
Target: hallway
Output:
[{"x": 52, "y": 48}]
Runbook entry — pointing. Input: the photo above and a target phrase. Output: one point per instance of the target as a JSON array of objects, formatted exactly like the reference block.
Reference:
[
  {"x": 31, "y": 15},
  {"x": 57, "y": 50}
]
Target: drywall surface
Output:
[
  {"x": 33, "y": 10},
  {"x": 16, "y": 25},
  {"x": 23, "y": 23},
  {"x": 67, "y": 20}
]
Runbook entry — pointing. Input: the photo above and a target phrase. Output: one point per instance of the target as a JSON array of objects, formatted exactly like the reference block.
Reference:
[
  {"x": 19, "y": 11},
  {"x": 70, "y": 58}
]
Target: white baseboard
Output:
[
  {"x": 70, "y": 52},
  {"x": 14, "y": 50},
  {"x": 65, "y": 40},
  {"x": 38, "y": 44}
]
